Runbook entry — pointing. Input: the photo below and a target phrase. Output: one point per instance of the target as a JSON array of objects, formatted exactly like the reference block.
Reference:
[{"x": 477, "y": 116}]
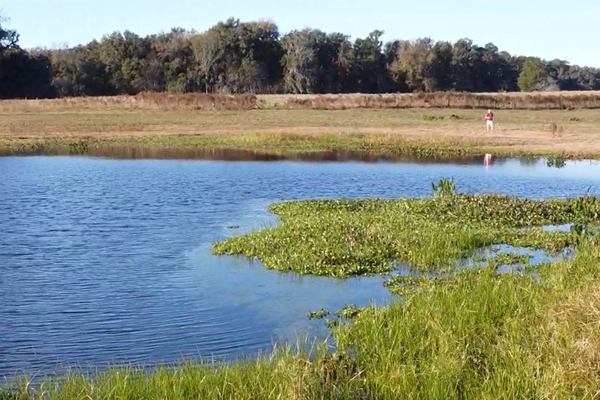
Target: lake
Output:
[{"x": 107, "y": 259}]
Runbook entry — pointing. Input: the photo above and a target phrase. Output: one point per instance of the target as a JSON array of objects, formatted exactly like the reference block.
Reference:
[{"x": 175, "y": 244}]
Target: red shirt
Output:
[{"x": 489, "y": 116}]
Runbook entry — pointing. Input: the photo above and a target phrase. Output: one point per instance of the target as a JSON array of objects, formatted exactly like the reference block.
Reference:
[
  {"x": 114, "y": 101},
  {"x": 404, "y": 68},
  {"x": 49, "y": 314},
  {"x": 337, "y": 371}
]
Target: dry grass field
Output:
[
  {"x": 199, "y": 101},
  {"x": 319, "y": 122}
]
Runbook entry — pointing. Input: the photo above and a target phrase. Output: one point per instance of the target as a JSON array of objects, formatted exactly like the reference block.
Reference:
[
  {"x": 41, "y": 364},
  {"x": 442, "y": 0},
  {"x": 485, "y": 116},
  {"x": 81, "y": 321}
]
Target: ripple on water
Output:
[{"x": 108, "y": 261}]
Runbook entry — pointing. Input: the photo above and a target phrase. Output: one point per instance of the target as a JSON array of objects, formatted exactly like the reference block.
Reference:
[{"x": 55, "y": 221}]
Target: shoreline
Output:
[{"x": 324, "y": 147}]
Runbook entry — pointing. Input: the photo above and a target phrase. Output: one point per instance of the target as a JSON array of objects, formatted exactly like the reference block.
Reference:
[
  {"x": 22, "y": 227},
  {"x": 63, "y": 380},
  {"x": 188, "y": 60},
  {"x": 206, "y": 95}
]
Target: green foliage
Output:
[
  {"x": 445, "y": 187},
  {"x": 586, "y": 208},
  {"x": 432, "y": 118},
  {"x": 343, "y": 238},
  {"x": 79, "y": 147},
  {"x": 533, "y": 76}
]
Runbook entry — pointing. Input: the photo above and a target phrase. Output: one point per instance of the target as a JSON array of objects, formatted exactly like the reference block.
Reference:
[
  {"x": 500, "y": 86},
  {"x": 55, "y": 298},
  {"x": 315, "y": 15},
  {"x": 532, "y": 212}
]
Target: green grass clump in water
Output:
[{"x": 343, "y": 238}]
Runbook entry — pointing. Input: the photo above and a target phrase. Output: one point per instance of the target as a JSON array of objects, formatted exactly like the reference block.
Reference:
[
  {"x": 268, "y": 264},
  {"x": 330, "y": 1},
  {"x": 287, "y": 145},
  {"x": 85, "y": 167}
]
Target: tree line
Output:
[{"x": 254, "y": 57}]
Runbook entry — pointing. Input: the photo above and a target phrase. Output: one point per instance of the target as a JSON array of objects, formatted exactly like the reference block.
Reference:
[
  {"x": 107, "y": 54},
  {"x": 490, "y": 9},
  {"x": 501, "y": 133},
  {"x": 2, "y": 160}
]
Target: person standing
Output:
[{"x": 489, "y": 118}]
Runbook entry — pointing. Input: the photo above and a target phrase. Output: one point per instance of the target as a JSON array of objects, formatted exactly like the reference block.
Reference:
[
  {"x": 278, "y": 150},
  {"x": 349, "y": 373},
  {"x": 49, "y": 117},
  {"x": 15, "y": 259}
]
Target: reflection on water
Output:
[
  {"x": 480, "y": 257},
  {"x": 138, "y": 153},
  {"x": 106, "y": 260}
]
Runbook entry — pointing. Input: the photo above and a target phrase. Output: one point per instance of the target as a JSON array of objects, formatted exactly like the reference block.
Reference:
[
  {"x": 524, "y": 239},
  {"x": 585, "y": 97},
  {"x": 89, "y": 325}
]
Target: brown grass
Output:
[
  {"x": 142, "y": 101},
  {"x": 200, "y": 101},
  {"x": 498, "y": 101}
]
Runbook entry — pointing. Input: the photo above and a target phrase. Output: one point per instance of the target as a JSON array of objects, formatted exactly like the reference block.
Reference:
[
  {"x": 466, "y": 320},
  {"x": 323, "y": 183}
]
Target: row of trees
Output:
[{"x": 253, "y": 57}]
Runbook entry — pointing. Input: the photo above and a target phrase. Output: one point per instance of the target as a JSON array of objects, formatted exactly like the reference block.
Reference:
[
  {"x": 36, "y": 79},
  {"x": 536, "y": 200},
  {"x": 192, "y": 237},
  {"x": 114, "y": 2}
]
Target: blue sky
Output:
[{"x": 544, "y": 28}]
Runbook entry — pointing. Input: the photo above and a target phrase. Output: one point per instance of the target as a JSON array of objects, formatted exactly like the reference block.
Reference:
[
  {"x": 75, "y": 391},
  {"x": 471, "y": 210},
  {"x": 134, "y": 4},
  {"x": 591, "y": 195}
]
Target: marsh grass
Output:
[
  {"x": 202, "y": 101},
  {"x": 344, "y": 238}
]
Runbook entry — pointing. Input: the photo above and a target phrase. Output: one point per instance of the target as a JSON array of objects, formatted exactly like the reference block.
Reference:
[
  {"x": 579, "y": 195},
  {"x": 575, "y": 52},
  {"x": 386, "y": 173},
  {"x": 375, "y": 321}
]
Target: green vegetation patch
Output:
[{"x": 343, "y": 238}]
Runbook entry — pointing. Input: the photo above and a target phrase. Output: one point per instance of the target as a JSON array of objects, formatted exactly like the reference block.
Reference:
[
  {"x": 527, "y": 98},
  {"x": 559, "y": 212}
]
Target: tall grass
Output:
[
  {"x": 480, "y": 335},
  {"x": 498, "y": 101},
  {"x": 201, "y": 101}
]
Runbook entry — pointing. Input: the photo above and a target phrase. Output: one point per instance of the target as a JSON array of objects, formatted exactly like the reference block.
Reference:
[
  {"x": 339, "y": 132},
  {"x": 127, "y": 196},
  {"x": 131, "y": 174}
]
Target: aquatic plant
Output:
[
  {"x": 349, "y": 311},
  {"x": 342, "y": 238},
  {"x": 79, "y": 147},
  {"x": 445, "y": 187}
]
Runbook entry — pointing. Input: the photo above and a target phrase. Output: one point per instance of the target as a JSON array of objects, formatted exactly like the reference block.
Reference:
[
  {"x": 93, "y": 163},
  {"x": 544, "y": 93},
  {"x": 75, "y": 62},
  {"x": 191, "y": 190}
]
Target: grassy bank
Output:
[
  {"x": 475, "y": 334},
  {"x": 448, "y": 132}
]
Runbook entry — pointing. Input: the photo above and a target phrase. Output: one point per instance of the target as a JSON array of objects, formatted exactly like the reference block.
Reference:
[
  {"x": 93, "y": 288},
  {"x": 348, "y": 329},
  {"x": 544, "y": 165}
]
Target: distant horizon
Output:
[{"x": 435, "y": 19}]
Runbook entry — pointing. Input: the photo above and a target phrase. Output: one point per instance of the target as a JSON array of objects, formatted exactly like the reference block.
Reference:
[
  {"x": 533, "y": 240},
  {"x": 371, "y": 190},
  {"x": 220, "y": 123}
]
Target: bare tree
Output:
[
  {"x": 9, "y": 39},
  {"x": 299, "y": 62},
  {"x": 207, "y": 51}
]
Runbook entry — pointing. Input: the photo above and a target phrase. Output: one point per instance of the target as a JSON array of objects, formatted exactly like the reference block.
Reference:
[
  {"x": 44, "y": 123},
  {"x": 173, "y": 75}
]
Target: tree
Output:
[
  {"x": 367, "y": 72},
  {"x": 9, "y": 39},
  {"x": 300, "y": 63},
  {"x": 207, "y": 51},
  {"x": 22, "y": 75},
  {"x": 418, "y": 63},
  {"x": 533, "y": 76}
]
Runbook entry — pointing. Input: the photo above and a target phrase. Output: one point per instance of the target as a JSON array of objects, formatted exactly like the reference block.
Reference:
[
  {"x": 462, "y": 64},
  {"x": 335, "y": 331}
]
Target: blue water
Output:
[{"x": 108, "y": 261}]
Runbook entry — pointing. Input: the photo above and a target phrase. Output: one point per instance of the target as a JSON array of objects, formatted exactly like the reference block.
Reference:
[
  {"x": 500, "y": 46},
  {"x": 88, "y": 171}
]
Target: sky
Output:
[{"x": 543, "y": 28}]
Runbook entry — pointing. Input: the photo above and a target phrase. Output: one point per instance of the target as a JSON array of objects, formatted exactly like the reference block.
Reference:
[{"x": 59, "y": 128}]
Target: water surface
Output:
[{"x": 106, "y": 260}]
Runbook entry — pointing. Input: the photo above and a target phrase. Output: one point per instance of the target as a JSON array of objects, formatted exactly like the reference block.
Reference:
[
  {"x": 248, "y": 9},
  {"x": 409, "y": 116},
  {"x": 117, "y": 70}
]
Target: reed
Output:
[
  {"x": 143, "y": 101},
  {"x": 457, "y": 100}
]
